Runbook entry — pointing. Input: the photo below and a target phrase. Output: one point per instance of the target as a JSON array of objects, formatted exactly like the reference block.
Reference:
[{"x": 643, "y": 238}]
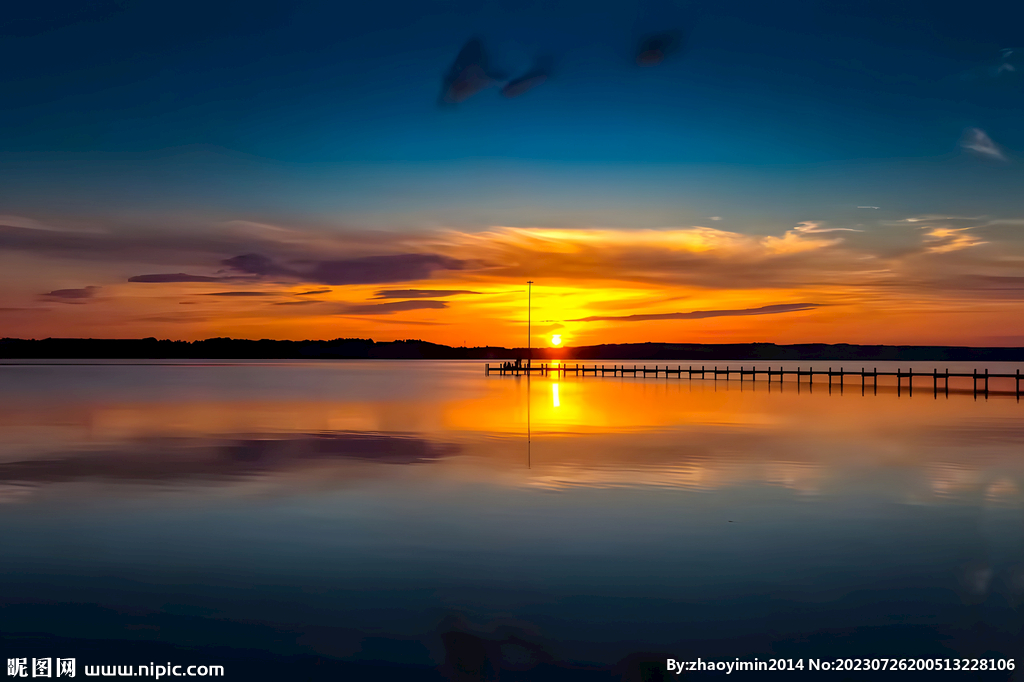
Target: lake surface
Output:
[{"x": 418, "y": 520}]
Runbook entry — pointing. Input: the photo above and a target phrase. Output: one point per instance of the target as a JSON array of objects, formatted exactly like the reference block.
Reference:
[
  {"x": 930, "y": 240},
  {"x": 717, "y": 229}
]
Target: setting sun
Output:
[{"x": 556, "y": 339}]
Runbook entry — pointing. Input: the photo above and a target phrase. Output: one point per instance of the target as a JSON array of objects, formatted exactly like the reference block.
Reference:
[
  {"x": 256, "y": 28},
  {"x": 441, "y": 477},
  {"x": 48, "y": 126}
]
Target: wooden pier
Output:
[{"x": 939, "y": 380}]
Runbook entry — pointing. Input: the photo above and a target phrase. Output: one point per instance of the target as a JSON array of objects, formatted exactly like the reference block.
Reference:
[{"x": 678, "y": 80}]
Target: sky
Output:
[{"x": 795, "y": 172}]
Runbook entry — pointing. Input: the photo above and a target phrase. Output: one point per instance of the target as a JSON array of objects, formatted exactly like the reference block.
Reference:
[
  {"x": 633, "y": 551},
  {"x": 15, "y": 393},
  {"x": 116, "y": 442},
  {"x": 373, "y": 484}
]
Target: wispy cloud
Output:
[
  {"x": 810, "y": 227},
  {"x": 698, "y": 256},
  {"x": 977, "y": 140},
  {"x": 389, "y": 308},
  {"x": 175, "y": 277},
  {"x": 70, "y": 295},
  {"x": 403, "y": 267},
  {"x": 421, "y": 293},
  {"x": 875, "y": 207},
  {"x": 241, "y": 293},
  {"x": 701, "y": 314},
  {"x": 945, "y": 239}
]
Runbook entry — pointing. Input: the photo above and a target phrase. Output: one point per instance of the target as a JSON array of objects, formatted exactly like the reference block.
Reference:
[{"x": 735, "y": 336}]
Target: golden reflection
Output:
[{"x": 608, "y": 432}]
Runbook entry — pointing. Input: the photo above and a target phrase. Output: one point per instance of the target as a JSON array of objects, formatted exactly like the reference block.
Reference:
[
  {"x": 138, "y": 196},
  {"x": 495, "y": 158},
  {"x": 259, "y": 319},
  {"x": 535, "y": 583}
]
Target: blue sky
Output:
[
  {"x": 325, "y": 116},
  {"x": 318, "y": 89}
]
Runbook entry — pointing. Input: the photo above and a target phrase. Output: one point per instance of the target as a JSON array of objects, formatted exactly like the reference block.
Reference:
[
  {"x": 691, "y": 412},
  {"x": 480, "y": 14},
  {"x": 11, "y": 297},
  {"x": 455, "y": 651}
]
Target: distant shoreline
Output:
[{"x": 354, "y": 349}]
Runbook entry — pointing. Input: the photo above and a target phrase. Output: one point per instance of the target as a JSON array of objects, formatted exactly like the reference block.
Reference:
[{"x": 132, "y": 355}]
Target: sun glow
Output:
[{"x": 556, "y": 339}]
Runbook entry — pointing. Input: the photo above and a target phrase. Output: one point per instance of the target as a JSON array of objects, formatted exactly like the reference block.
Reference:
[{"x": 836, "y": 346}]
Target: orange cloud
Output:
[{"x": 923, "y": 279}]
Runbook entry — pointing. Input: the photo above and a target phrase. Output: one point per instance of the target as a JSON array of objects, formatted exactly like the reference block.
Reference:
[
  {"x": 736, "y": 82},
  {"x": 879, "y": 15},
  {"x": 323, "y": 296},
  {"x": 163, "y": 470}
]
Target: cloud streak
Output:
[
  {"x": 702, "y": 314},
  {"x": 175, "y": 277},
  {"x": 977, "y": 140},
  {"x": 421, "y": 293},
  {"x": 390, "y": 308},
  {"x": 240, "y": 293},
  {"x": 811, "y": 227},
  {"x": 403, "y": 267},
  {"x": 70, "y": 295}
]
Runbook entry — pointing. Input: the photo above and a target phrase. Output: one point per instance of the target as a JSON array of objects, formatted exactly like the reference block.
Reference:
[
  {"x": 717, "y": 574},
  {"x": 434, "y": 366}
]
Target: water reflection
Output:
[
  {"x": 306, "y": 511},
  {"x": 590, "y": 432}
]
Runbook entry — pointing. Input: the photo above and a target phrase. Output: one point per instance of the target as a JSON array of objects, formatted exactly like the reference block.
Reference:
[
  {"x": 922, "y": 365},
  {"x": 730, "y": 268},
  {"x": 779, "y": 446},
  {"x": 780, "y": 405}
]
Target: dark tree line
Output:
[{"x": 267, "y": 349}]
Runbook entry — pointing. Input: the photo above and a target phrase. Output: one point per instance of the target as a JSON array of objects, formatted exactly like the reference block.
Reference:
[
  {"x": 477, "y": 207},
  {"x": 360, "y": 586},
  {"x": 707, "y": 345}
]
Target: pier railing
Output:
[{"x": 939, "y": 380}]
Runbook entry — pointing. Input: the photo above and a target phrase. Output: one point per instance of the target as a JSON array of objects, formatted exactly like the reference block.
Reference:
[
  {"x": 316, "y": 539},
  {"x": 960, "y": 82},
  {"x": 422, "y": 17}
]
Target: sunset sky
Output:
[{"x": 830, "y": 171}]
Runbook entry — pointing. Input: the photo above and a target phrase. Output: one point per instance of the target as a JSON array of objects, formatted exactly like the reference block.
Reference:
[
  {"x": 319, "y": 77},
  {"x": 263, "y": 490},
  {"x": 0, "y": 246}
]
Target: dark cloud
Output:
[
  {"x": 990, "y": 282},
  {"x": 241, "y": 293},
  {"x": 313, "y": 292},
  {"x": 256, "y": 264},
  {"x": 401, "y": 267},
  {"x": 701, "y": 314},
  {"x": 381, "y": 269},
  {"x": 469, "y": 74},
  {"x": 174, "y": 318},
  {"x": 298, "y": 302},
  {"x": 990, "y": 287},
  {"x": 70, "y": 295},
  {"x": 540, "y": 72},
  {"x": 389, "y": 308},
  {"x": 421, "y": 293},
  {"x": 198, "y": 458},
  {"x": 152, "y": 246},
  {"x": 401, "y": 322},
  {"x": 654, "y": 48},
  {"x": 174, "y": 277}
]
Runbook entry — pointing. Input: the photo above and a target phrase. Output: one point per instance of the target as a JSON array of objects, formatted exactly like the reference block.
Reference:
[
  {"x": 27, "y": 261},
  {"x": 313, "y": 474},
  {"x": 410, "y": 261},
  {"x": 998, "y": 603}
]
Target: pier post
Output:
[
  {"x": 830, "y": 378},
  {"x": 1018, "y": 385},
  {"x": 935, "y": 382},
  {"x": 910, "y": 381},
  {"x": 840, "y": 379},
  {"x": 947, "y": 382},
  {"x": 876, "y": 381},
  {"x": 974, "y": 382},
  {"x": 769, "y": 375},
  {"x": 986, "y": 382},
  {"x": 899, "y": 384}
]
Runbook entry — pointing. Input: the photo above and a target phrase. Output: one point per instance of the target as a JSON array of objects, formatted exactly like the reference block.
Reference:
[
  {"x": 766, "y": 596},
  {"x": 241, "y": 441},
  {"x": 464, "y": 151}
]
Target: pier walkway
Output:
[{"x": 939, "y": 380}]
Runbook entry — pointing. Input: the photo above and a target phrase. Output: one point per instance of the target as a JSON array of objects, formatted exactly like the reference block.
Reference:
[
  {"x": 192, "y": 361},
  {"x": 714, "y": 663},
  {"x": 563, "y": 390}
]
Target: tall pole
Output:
[{"x": 529, "y": 315}]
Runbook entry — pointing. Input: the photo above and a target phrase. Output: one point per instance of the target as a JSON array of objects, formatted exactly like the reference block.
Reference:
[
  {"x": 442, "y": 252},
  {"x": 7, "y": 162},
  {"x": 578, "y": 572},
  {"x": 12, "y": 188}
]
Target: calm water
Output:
[{"x": 418, "y": 520}]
